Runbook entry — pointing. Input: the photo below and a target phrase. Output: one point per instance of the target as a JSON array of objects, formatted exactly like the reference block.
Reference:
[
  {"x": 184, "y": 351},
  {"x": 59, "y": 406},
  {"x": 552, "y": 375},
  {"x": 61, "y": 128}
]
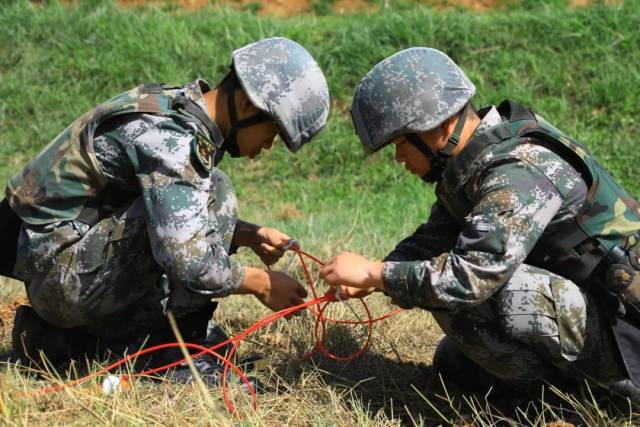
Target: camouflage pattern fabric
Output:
[
  {"x": 537, "y": 326},
  {"x": 284, "y": 81},
  {"x": 147, "y": 167},
  {"x": 411, "y": 91},
  {"x": 65, "y": 176},
  {"x": 609, "y": 217},
  {"x": 105, "y": 278},
  {"x": 162, "y": 162},
  {"x": 153, "y": 162},
  {"x": 516, "y": 320}
]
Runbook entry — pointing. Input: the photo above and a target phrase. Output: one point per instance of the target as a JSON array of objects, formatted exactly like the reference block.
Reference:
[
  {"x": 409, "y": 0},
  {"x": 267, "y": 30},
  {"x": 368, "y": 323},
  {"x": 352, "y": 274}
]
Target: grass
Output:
[{"x": 579, "y": 68}]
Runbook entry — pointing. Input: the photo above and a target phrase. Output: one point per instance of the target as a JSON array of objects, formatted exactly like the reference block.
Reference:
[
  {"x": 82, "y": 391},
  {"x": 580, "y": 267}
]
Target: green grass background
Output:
[{"x": 579, "y": 68}]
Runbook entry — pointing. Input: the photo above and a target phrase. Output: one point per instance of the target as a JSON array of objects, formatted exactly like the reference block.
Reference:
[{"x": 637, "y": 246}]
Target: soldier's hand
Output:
[
  {"x": 281, "y": 291},
  {"x": 352, "y": 270},
  {"x": 347, "y": 292},
  {"x": 268, "y": 244}
]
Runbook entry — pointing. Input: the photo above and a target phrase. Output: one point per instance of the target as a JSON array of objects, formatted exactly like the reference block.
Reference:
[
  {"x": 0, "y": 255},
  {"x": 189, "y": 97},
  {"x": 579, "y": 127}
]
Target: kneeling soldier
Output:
[
  {"x": 125, "y": 214},
  {"x": 528, "y": 261}
]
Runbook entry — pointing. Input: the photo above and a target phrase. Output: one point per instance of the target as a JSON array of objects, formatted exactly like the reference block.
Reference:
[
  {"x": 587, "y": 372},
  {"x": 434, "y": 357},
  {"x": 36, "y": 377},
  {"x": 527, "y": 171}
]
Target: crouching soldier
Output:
[
  {"x": 528, "y": 261},
  {"x": 125, "y": 214}
]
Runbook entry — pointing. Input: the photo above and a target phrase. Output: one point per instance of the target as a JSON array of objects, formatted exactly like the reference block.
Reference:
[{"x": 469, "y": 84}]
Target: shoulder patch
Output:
[{"x": 203, "y": 150}]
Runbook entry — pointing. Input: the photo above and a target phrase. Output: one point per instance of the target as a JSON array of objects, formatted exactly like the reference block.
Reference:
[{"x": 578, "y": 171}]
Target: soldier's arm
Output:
[
  {"x": 175, "y": 191},
  {"x": 430, "y": 239},
  {"x": 513, "y": 204},
  {"x": 244, "y": 233}
]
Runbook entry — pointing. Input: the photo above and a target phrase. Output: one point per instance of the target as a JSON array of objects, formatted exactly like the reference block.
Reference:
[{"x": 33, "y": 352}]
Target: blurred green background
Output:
[{"x": 577, "y": 67}]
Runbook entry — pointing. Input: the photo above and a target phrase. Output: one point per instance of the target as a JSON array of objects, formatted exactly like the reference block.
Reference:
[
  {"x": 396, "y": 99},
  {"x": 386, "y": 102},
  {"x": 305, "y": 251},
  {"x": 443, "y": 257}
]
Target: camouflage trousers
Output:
[
  {"x": 538, "y": 326},
  {"x": 103, "y": 278}
]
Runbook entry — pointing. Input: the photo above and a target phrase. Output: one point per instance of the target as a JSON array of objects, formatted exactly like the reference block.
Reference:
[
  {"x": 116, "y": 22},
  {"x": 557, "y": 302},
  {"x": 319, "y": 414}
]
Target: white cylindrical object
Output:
[{"x": 111, "y": 384}]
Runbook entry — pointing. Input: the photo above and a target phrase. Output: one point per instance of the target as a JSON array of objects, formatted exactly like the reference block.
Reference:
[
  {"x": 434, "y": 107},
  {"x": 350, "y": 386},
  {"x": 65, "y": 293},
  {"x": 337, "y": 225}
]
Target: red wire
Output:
[
  {"x": 320, "y": 340},
  {"x": 320, "y": 322}
]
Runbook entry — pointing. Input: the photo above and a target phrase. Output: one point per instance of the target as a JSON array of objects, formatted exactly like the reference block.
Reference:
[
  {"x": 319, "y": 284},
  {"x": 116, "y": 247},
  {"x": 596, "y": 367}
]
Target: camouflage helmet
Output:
[
  {"x": 412, "y": 91},
  {"x": 283, "y": 80}
]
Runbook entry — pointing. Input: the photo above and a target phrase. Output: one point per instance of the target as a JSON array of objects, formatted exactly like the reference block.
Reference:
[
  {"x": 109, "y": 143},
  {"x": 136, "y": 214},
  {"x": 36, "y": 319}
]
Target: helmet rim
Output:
[
  {"x": 296, "y": 122},
  {"x": 412, "y": 91}
]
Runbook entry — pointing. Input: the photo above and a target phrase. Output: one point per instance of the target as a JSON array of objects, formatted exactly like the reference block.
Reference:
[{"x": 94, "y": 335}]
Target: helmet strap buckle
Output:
[{"x": 440, "y": 159}]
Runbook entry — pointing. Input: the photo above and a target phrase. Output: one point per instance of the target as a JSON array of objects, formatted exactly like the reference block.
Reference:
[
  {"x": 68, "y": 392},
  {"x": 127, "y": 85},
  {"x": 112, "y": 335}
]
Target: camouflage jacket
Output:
[
  {"x": 66, "y": 176},
  {"x": 504, "y": 200},
  {"x": 110, "y": 156}
]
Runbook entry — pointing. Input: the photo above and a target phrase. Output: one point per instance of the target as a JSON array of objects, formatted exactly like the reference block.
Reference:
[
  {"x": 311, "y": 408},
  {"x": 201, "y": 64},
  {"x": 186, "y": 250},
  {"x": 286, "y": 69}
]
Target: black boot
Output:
[
  {"x": 34, "y": 338},
  {"x": 199, "y": 327},
  {"x": 193, "y": 328},
  {"x": 458, "y": 370},
  {"x": 626, "y": 389},
  {"x": 467, "y": 376}
]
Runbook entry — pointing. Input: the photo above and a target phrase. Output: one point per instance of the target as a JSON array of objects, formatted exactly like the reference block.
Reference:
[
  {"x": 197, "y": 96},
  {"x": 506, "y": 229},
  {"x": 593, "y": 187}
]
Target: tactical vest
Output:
[
  {"x": 608, "y": 223},
  {"x": 65, "y": 181}
]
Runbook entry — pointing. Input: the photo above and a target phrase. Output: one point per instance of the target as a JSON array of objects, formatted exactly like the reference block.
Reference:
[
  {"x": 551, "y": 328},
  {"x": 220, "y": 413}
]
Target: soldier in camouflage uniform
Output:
[
  {"x": 126, "y": 215},
  {"x": 528, "y": 259}
]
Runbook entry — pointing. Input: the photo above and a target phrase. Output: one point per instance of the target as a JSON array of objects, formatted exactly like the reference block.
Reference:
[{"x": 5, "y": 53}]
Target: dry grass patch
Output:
[{"x": 390, "y": 384}]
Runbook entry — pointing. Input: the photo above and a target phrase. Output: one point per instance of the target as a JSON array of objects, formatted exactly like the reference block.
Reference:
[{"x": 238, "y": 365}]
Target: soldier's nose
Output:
[{"x": 398, "y": 156}]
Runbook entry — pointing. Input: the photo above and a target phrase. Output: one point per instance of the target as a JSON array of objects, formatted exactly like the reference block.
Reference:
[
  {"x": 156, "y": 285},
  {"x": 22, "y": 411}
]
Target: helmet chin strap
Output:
[
  {"x": 230, "y": 144},
  {"x": 439, "y": 160}
]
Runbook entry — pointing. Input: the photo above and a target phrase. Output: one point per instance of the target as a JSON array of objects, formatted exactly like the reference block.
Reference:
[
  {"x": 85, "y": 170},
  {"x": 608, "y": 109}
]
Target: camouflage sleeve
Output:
[
  {"x": 432, "y": 238},
  {"x": 512, "y": 205},
  {"x": 176, "y": 194}
]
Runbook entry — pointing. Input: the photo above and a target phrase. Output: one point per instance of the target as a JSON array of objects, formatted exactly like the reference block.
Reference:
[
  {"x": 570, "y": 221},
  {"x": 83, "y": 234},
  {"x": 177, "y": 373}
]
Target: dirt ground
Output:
[
  {"x": 284, "y": 8},
  {"x": 7, "y": 311},
  {"x": 11, "y": 297}
]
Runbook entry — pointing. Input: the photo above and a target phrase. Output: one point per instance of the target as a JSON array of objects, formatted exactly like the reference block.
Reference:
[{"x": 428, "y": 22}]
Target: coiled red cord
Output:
[{"x": 319, "y": 334}]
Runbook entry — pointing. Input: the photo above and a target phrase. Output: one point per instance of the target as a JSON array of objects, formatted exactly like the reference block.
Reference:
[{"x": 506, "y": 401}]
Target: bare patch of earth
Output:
[
  {"x": 7, "y": 312},
  {"x": 354, "y": 6},
  {"x": 285, "y": 8}
]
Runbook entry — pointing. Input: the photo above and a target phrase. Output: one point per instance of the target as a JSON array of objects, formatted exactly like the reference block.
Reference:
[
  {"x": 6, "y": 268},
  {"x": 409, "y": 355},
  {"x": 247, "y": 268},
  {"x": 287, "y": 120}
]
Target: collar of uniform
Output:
[
  {"x": 490, "y": 117},
  {"x": 195, "y": 91},
  {"x": 457, "y": 169}
]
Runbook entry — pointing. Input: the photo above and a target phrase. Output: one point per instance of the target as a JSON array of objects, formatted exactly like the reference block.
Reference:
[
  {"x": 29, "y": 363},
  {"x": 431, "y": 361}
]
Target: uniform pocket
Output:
[
  {"x": 92, "y": 247},
  {"x": 481, "y": 233},
  {"x": 122, "y": 230},
  {"x": 525, "y": 306},
  {"x": 571, "y": 308},
  {"x": 545, "y": 311}
]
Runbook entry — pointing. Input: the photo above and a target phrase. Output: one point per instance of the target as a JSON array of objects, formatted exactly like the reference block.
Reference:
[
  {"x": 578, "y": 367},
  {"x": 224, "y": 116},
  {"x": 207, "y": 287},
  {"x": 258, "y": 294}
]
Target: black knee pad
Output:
[
  {"x": 34, "y": 338},
  {"x": 455, "y": 367},
  {"x": 193, "y": 326}
]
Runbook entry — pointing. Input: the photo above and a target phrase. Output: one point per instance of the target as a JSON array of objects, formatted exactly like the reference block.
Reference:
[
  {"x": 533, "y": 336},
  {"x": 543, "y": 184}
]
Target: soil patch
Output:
[
  {"x": 264, "y": 7},
  {"x": 285, "y": 8},
  {"x": 7, "y": 312},
  {"x": 354, "y": 6},
  {"x": 477, "y": 5}
]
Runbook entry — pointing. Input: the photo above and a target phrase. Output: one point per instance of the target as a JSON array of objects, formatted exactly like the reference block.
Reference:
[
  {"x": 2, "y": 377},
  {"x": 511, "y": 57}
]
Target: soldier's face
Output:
[
  {"x": 412, "y": 159},
  {"x": 253, "y": 139}
]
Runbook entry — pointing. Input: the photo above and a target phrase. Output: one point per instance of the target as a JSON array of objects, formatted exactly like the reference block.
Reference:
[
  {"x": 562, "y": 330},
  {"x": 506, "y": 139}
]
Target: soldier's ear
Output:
[
  {"x": 448, "y": 126},
  {"x": 246, "y": 107}
]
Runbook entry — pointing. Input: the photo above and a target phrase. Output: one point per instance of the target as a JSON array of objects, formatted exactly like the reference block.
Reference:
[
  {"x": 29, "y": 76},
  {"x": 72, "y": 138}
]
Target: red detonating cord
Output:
[{"x": 319, "y": 331}]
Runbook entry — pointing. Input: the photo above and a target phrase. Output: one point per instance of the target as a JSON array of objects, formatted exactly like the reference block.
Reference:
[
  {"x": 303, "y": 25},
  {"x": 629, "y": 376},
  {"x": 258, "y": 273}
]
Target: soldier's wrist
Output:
[
  {"x": 374, "y": 273},
  {"x": 256, "y": 282},
  {"x": 246, "y": 234}
]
